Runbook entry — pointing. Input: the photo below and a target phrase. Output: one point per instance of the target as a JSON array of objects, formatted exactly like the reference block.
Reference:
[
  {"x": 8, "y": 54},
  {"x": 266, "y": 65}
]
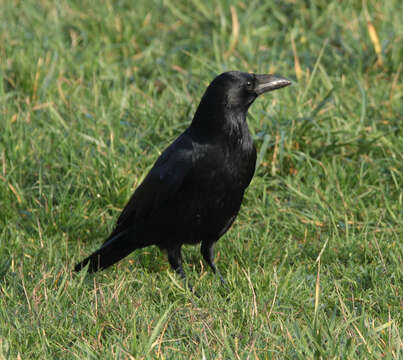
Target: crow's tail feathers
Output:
[{"x": 113, "y": 250}]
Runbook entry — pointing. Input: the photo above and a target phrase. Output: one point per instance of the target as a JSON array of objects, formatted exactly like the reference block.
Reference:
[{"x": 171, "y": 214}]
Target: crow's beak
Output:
[{"x": 267, "y": 83}]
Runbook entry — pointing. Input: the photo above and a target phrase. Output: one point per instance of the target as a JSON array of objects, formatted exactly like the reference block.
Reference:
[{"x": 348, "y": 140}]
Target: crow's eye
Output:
[{"x": 249, "y": 84}]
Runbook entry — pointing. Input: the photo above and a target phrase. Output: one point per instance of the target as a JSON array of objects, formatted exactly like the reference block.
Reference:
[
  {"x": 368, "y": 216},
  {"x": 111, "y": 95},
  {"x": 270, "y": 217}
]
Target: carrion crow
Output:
[{"x": 194, "y": 191}]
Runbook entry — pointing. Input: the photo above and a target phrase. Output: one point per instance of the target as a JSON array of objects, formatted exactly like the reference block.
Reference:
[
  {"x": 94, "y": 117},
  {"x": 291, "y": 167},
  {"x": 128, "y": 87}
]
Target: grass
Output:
[{"x": 92, "y": 92}]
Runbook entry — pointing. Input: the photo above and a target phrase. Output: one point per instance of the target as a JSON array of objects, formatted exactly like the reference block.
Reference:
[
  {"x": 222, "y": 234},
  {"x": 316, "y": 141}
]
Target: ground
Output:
[{"x": 92, "y": 92}]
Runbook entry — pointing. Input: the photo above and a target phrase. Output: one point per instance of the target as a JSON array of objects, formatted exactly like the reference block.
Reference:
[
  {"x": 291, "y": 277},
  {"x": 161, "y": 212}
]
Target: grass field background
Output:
[{"x": 91, "y": 92}]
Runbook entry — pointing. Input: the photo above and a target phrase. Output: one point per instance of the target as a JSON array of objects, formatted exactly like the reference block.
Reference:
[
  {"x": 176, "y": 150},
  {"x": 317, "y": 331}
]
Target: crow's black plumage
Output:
[{"x": 194, "y": 191}]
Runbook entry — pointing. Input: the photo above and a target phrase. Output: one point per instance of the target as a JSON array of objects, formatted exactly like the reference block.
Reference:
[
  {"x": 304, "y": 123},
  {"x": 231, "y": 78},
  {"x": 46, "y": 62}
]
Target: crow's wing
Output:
[{"x": 160, "y": 185}]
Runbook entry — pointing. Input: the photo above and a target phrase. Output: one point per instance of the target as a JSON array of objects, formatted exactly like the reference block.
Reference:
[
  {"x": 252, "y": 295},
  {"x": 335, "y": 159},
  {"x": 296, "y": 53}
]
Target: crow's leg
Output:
[
  {"x": 207, "y": 250},
  {"x": 175, "y": 260}
]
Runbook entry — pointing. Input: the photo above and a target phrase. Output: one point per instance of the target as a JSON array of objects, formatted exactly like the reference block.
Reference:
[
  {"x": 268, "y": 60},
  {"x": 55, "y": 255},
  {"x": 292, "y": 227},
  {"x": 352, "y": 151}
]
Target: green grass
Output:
[{"x": 92, "y": 92}]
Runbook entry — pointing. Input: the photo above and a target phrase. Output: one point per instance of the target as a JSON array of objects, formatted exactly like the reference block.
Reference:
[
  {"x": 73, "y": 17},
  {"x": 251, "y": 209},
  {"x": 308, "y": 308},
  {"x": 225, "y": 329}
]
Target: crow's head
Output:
[
  {"x": 225, "y": 103},
  {"x": 238, "y": 90}
]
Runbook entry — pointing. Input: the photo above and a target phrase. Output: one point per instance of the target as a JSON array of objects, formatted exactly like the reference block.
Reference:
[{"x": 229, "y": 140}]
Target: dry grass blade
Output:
[
  {"x": 373, "y": 35},
  {"x": 235, "y": 33},
  {"x": 297, "y": 66}
]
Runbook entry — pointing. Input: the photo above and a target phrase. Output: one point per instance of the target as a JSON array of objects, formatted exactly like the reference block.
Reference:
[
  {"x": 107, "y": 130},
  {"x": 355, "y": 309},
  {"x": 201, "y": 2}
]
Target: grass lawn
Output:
[{"x": 91, "y": 92}]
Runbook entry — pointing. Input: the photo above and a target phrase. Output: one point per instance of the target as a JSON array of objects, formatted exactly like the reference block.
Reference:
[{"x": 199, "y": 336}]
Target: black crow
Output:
[{"x": 194, "y": 190}]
